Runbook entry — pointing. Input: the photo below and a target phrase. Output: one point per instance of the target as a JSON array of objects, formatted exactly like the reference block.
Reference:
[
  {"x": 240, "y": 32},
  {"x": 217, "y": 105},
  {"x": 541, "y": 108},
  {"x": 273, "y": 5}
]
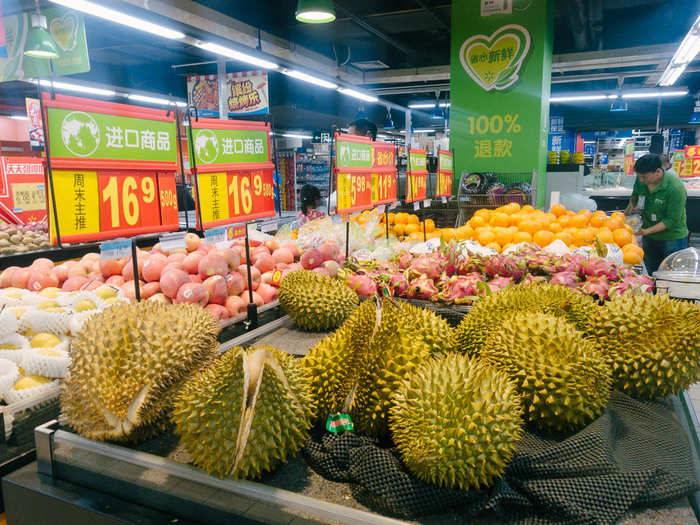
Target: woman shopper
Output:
[
  {"x": 661, "y": 197},
  {"x": 310, "y": 200}
]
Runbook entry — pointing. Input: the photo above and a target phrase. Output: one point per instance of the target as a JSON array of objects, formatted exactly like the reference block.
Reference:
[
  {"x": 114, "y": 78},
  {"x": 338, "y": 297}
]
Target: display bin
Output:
[
  {"x": 473, "y": 193},
  {"x": 78, "y": 480}
]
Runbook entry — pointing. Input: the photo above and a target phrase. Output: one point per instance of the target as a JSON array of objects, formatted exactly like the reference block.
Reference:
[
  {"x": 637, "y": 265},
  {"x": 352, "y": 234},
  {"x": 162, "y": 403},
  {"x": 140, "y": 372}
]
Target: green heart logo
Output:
[
  {"x": 493, "y": 62},
  {"x": 63, "y": 30}
]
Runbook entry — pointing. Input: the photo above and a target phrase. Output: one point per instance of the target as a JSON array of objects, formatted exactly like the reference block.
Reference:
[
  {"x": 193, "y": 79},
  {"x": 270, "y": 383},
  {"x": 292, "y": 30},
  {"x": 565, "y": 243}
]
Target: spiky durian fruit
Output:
[
  {"x": 126, "y": 364},
  {"x": 358, "y": 368},
  {"x": 489, "y": 312},
  {"x": 245, "y": 414},
  {"x": 456, "y": 422},
  {"x": 562, "y": 377},
  {"x": 651, "y": 342},
  {"x": 426, "y": 325},
  {"x": 316, "y": 302}
]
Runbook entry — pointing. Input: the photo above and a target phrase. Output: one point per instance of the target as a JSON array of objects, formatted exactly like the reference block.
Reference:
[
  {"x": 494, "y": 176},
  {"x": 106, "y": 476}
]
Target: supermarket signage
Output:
[
  {"x": 493, "y": 61},
  {"x": 322, "y": 137},
  {"x": 353, "y": 172},
  {"x": 245, "y": 93},
  {"x": 353, "y": 154},
  {"x": 113, "y": 169},
  {"x": 417, "y": 176},
  {"x": 383, "y": 173},
  {"x": 500, "y": 64},
  {"x": 22, "y": 190},
  {"x": 629, "y": 157},
  {"x": 115, "y": 249},
  {"x": 234, "y": 171},
  {"x": 445, "y": 173},
  {"x": 691, "y": 164}
]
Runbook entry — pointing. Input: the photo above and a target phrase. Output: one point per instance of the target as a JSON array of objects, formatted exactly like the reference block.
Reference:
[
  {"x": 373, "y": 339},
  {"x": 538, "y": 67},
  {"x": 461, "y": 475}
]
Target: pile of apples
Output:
[{"x": 215, "y": 278}]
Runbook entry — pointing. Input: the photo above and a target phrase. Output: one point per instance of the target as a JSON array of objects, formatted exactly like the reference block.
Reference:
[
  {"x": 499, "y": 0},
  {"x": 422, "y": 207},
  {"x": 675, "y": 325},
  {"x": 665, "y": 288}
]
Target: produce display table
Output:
[{"x": 83, "y": 481}]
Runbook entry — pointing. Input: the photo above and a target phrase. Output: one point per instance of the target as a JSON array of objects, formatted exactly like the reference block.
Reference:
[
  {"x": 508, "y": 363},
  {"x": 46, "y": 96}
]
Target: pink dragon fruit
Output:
[
  {"x": 404, "y": 260},
  {"x": 398, "y": 284},
  {"x": 499, "y": 283},
  {"x": 533, "y": 279},
  {"x": 428, "y": 264},
  {"x": 568, "y": 279},
  {"x": 505, "y": 266},
  {"x": 597, "y": 267},
  {"x": 422, "y": 288},
  {"x": 596, "y": 287},
  {"x": 362, "y": 285},
  {"x": 539, "y": 263},
  {"x": 571, "y": 263},
  {"x": 461, "y": 289},
  {"x": 474, "y": 264},
  {"x": 632, "y": 284}
]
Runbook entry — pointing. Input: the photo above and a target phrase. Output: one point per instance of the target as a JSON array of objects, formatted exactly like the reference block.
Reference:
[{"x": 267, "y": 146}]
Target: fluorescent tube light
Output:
[
  {"x": 684, "y": 55},
  {"x": 310, "y": 79},
  {"x": 421, "y": 105},
  {"x": 296, "y": 136},
  {"x": 120, "y": 18},
  {"x": 155, "y": 100},
  {"x": 575, "y": 98},
  {"x": 654, "y": 94},
  {"x": 236, "y": 55},
  {"x": 19, "y": 117},
  {"x": 357, "y": 94},
  {"x": 64, "y": 86},
  {"x": 420, "y": 130}
]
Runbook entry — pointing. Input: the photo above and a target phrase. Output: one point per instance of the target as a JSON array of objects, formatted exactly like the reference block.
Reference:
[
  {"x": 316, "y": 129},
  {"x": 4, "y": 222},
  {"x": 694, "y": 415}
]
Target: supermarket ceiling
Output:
[{"x": 399, "y": 49}]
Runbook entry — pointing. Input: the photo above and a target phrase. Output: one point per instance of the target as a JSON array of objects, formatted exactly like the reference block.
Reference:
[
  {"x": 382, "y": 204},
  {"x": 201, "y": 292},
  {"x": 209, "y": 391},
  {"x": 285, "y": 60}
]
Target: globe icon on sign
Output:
[
  {"x": 206, "y": 145},
  {"x": 80, "y": 133}
]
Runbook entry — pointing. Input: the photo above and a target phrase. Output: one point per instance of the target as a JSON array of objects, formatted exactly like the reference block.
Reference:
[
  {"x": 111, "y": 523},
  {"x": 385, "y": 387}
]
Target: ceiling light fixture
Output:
[
  {"x": 39, "y": 42},
  {"x": 64, "y": 86},
  {"x": 309, "y": 78},
  {"x": 654, "y": 94},
  {"x": 683, "y": 56},
  {"x": 236, "y": 55},
  {"x": 120, "y": 18},
  {"x": 296, "y": 136},
  {"x": 155, "y": 100},
  {"x": 577, "y": 98},
  {"x": 428, "y": 105},
  {"x": 315, "y": 11},
  {"x": 357, "y": 94},
  {"x": 19, "y": 117}
]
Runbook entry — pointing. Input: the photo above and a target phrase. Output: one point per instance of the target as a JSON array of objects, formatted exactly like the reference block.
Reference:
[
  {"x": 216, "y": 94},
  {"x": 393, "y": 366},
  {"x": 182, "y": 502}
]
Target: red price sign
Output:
[
  {"x": 354, "y": 191},
  {"x": 445, "y": 171},
  {"x": 129, "y": 201},
  {"x": 383, "y": 188},
  {"x": 416, "y": 190}
]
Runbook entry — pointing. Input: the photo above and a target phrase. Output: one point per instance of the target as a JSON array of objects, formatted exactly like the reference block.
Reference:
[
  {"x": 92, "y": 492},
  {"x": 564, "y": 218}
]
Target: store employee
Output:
[{"x": 662, "y": 197}]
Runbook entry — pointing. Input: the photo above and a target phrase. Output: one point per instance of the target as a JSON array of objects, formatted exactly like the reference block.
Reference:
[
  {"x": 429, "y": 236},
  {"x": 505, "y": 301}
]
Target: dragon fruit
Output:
[
  {"x": 460, "y": 289},
  {"x": 422, "y": 288},
  {"x": 566, "y": 278},
  {"x": 505, "y": 266},
  {"x": 362, "y": 285},
  {"x": 539, "y": 263},
  {"x": 571, "y": 263},
  {"x": 533, "y": 279},
  {"x": 597, "y": 267},
  {"x": 499, "y": 283},
  {"x": 596, "y": 287},
  {"x": 428, "y": 264},
  {"x": 632, "y": 284},
  {"x": 398, "y": 284},
  {"x": 474, "y": 264}
]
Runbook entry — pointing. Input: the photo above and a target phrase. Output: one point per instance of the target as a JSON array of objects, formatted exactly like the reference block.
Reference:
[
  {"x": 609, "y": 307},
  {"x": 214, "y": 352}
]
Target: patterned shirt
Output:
[{"x": 310, "y": 216}]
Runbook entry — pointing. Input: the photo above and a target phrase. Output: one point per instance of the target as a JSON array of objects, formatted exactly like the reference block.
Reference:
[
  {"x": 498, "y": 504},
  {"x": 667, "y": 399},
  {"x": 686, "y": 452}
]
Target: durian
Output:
[
  {"x": 488, "y": 313},
  {"x": 126, "y": 364},
  {"x": 358, "y": 368},
  {"x": 316, "y": 303},
  {"x": 561, "y": 376},
  {"x": 651, "y": 342},
  {"x": 246, "y": 413},
  {"x": 456, "y": 422}
]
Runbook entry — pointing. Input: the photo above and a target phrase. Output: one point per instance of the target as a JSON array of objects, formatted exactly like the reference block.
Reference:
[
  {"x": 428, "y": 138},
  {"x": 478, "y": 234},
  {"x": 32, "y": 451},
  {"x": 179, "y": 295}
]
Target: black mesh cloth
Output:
[{"x": 635, "y": 455}]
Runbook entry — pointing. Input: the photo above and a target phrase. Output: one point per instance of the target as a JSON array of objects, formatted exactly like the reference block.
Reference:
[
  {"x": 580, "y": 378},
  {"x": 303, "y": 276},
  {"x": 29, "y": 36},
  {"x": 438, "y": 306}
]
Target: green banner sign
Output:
[
  {"x": 500, "y": 79},
  {"x": 224, "y": 146},
  {"x": 354, "y": 154},
  {"x": 445, "y": 162},
  {"x": 80, "y": 134},
  {"x": 417, "y": 161},
  {"x": 66, "y": 27}
]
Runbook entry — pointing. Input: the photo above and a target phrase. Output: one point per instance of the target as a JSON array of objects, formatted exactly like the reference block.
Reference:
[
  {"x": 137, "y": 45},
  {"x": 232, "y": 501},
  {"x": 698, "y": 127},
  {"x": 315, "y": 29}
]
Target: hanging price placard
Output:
[
  {"x": 234, "y": 171},
  {"x": 417, "y": 176},
  {"x": 383, "y": 173},
  {"x": 353, "y": 172},
  {"x": 444, "y": 174},
  {"x": 113, "y": 169}
]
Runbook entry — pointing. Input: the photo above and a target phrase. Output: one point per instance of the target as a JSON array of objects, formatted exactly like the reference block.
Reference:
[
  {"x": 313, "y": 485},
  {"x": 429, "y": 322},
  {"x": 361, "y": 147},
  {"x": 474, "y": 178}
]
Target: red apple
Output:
[
  {"x": 192, "y": 293},
  {"x": 171, "y": 281},
  {"x": 254, "y": 273},
  {"x": 191, "y": 263},
  {"x": 153, "y": 267},
  {"x": 216, "y": 288},
  {"x": 235, "y": 282},
  {"x": 192, "y": 241},
  {"x": 218, "y": 312},
  {"x": 235, "y": 305},
  {"x": 212, "y": 264}
]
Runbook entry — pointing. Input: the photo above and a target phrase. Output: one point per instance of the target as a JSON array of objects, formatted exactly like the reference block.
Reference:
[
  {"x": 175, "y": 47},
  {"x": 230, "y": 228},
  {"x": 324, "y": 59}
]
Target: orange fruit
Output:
[
  {"x": 622, "y": 237},
  {"x": 415, "y": 236},
  {"x": 555, "y": 227},
  {"x": 499, "y": 219},
  {"x": 494, "y": 246},
  {"x": 412, "y": 228},
  {"x": 605, "y": 235},
  {"x": 464, "y": 232},
  {"x": 486, "y": 236},
  {"x": 413, "y": 219},
  {"x": 565, "y": 237},
  {"x": 521, "y": 236},
  {"x": 529, "y": 226},
  {"x": 392, "y": 218},
  {"x": 615, "y": 222},
  {"x": 598, "y": 221},
  {"x": 543, "y": 238},
  {"x": 399, "y": 229},
  {"x": 579, "y": 221},
  {"x": 448, "y": 234},
  {"x": 482, "y": 211},
  {"x": 401, "y": 218},
  {"x": 504, "y": 236},
  {"x": 550, "y": 217},
  {"x": 564, "y": 220},
  {"x": 584, "y": 236},
  {"x": 511, "y": 208},
  {"x": 477, "y": 221},
  {"x": 618, "y": 214},
  {"x": 628, "y": 228},
  {"x": 429, "y": 225},
  {"x": 632, "y": 254},
  {"x": 513, "y": 228},
  {"x": 558, "y": 210},
  {"x": 528, "y": 208}
]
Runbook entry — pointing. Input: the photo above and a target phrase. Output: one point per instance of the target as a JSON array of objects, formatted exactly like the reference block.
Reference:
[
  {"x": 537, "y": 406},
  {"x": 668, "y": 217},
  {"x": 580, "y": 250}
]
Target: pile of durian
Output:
[
  {"x": 35, "y": 333},
  {"x": 454, "y": 402}
]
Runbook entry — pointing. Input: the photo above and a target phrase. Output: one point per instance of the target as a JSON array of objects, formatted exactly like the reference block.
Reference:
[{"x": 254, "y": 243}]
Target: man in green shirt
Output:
[{"x": 661, "y": 196}]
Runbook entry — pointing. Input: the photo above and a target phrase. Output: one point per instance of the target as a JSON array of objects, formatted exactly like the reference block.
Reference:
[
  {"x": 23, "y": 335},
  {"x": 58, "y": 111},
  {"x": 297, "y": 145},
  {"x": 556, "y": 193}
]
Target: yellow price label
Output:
[
  {"x": 213, "y": 193},
  {"x": 77, "y": 193}
]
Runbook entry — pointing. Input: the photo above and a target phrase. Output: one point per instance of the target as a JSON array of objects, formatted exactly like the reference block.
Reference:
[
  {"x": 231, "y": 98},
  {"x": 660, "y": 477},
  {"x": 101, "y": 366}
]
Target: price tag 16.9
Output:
[{"x": 116, "y": 249}]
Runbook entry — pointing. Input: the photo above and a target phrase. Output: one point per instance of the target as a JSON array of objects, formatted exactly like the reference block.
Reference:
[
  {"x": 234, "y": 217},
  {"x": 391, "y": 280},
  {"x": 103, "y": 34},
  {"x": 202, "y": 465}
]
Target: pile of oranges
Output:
[
  {"x": 408, "y": 226},
  {"x": 511, "y": 224}
]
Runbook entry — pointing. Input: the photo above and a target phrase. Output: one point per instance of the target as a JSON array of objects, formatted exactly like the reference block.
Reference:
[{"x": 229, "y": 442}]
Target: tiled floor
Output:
[{"x": 694, "y": 392}]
